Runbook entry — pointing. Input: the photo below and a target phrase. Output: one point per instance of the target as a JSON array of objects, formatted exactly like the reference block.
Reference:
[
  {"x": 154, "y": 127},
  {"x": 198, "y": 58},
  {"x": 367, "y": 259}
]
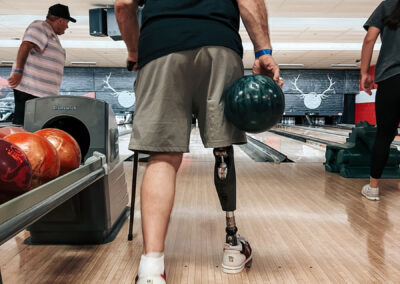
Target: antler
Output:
[
  {"x": 323, "y": 96},
  {"x": 108, "y": 84},
  {"x": 297, "y": 89}
]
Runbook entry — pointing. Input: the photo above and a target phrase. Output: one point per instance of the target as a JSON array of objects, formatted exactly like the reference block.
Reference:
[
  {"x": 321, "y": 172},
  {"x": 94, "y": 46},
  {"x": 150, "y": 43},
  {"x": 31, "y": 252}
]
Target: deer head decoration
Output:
[
  {"x": 125, "y": 98},
  {"x": 313, "y": 100}
]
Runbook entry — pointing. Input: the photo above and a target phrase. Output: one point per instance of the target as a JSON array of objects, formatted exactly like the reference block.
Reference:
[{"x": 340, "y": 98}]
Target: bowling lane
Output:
[
  {"x": 318, "y": 230},
  {"x": 323, "y": 129},
  {"x": 297, "y": 151},
  {"x": 313, "y": 133},
  {"x": 331, "y": 128},
  {"x": 325, "y": 132}
]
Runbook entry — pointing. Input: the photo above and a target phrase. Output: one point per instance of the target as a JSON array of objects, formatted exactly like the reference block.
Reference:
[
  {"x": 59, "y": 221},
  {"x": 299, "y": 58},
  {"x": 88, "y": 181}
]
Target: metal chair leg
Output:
[{"x": 133, "y": 196}]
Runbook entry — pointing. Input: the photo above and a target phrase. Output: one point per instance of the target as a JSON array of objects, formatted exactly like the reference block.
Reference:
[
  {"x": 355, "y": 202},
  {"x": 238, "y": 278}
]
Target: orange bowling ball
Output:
[
  {"x": 67, "y": 147},
  {"x": 41, "y": 154},
  {"x": 15, "y": 171},
  {"x": 4, "y": 131}
]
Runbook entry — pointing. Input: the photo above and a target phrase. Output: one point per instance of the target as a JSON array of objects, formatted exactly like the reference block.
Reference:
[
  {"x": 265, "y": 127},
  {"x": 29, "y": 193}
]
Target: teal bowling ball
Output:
[{"x": 254, "y": 103}]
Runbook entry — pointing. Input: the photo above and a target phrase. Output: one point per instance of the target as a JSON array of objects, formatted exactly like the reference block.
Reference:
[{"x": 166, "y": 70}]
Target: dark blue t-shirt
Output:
[
  {"x": 388, "y": 63},
  {"x": 176, "y": 25}
]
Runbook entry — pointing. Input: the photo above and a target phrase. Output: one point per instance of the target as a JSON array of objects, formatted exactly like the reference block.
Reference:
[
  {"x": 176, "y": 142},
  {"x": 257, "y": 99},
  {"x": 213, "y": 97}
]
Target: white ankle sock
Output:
[{"x": 151, "y": 264}]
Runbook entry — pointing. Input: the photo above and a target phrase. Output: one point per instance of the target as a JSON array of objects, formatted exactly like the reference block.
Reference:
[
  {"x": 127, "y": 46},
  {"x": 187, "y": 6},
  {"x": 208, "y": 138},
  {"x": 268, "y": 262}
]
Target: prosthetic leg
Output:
[
  {"x": 225, "y": 183},
  {"x": 237, "y": 251}
]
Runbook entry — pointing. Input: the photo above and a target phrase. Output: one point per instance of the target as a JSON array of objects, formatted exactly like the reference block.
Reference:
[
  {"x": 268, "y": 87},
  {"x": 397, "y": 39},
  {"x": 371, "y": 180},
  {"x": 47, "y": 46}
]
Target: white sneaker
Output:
[
  {"x": 161, "y": 279},
  {"x": 236, "y": 258},
  {"x": 370, "y": 192}
]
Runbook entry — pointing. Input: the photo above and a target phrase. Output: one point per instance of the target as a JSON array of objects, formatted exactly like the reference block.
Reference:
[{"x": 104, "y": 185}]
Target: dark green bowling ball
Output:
[{"x": 254, "y": 103}]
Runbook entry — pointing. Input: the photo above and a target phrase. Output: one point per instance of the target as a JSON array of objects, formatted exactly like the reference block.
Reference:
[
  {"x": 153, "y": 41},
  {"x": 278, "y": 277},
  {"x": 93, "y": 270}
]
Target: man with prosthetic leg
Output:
[
  {"x": 237, "y": 251},
  {"x": 186, "y": 54}
]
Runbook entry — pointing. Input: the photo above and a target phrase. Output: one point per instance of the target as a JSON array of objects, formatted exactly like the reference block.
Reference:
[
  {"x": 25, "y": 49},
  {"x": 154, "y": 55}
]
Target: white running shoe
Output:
[
  {"x": 161, "y": 279},
  {"x": 236, "y": 258},
  {"x": 370, "y": 192}
]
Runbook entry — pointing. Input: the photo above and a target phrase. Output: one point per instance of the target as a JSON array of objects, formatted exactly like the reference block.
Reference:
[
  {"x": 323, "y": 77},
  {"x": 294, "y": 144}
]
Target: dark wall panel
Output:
[
  {"x": 78, "y": 79},
  {"x": 309, "y": 96},
  {"x": 86, "y": 82},
  {"x": 5, "y": 72},
  {"x": 295, "y": 105},
  {"x": 352, "y": 82},
  {"x": 120, "y": 79},
  {"x": 115, "y": 86}
]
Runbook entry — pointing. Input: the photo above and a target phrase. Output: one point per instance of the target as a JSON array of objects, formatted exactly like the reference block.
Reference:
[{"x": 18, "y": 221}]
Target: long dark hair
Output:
[{"x": 393, "y": 20}]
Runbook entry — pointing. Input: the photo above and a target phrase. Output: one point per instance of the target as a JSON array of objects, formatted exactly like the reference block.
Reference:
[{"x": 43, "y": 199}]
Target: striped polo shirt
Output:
[{"x": 44, "y": 66}]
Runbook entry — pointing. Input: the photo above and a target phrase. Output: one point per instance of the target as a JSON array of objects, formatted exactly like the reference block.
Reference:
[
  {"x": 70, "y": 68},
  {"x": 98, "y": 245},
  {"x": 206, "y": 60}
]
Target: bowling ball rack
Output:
[{"x": 22, "y": 211}]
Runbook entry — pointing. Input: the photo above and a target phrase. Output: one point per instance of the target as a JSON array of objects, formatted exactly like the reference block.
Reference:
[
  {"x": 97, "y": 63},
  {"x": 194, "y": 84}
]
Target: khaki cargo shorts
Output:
[{"x": 172, "y": 88}]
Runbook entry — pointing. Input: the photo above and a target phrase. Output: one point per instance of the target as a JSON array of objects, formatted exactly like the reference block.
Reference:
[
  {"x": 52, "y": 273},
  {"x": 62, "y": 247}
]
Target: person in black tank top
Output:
[
  {"x": 170, "y": 26},
  {"x": 173, "y": 31}
]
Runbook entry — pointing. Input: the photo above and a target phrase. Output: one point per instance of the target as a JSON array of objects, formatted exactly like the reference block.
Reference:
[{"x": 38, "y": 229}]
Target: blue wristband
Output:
[
  {"x": 19, "y": 71},
  {"x": 263, "y": 52}
]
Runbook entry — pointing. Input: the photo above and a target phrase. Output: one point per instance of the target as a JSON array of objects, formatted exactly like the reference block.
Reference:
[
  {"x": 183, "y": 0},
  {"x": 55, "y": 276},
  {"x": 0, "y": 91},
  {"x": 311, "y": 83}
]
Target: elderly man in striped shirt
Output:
[{"x": 39, "y": 67}]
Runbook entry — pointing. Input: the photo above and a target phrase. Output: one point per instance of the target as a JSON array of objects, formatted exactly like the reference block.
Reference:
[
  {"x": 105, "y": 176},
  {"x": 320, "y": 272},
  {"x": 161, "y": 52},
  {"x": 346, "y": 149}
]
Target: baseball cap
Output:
[{"x": 61, "y": 11}]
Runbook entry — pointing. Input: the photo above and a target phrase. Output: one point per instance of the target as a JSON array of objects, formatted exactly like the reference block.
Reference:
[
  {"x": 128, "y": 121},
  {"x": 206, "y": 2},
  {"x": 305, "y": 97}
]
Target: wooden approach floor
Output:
[{"x": 305, "y": 226}]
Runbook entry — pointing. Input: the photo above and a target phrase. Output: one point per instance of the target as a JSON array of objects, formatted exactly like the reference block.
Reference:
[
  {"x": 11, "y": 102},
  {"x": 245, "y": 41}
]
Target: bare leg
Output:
[{"x": 157, "y": 198}]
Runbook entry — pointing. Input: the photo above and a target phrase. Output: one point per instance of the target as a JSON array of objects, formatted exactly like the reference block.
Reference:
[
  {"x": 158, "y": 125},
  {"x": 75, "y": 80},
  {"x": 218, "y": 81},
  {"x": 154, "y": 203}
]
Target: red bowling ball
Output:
[
  {"x": 66, "y": 146},
  {"x": 4, "y": 131},
  {"x": 41, "y": 154},
  {"x": 15, "y": 171}
]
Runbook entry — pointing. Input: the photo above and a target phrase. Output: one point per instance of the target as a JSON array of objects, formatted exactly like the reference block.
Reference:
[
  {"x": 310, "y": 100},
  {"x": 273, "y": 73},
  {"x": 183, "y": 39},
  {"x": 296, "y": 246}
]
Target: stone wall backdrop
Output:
[
  {"x": 306, "y": 91},
  {"x": 113, "y": 85},
  {"x": 318, "y": 91}
]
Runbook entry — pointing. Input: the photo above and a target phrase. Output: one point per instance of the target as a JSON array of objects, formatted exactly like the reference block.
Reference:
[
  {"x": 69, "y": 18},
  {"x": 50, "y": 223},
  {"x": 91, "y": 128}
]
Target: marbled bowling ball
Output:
[
  {"x": 41, "y": 154},
  {"x": 15, "y": 171},
  {"x": 254, "y": 103},
  {"x": 67, "y": 147},
  {"x": 4, "y": 131}
]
